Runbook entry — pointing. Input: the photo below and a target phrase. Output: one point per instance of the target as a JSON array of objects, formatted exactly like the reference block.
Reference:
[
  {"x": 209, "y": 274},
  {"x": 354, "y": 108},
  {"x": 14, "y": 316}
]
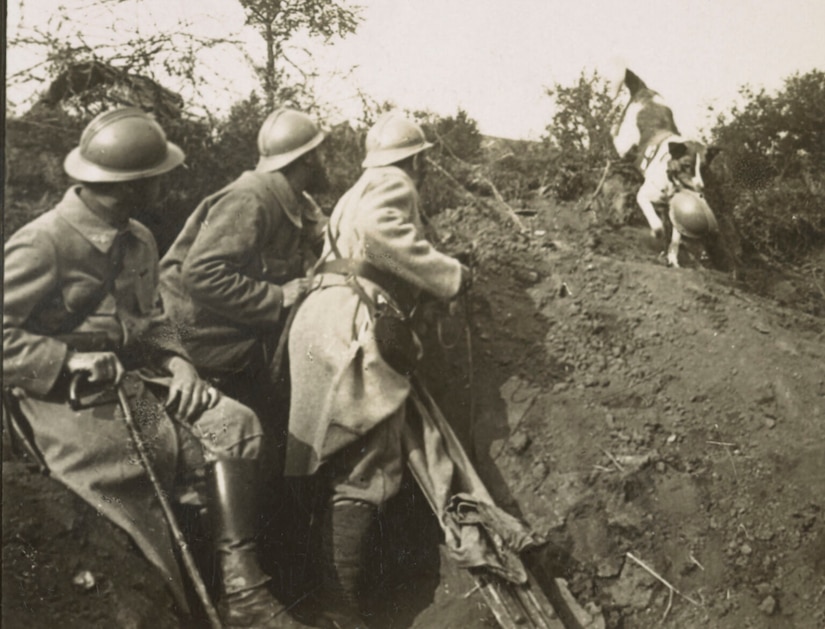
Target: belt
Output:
[{"x": 398, "y": 290}]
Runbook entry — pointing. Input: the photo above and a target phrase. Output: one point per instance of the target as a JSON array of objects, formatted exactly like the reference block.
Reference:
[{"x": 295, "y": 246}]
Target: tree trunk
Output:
[{"x": 269, "y": 78}]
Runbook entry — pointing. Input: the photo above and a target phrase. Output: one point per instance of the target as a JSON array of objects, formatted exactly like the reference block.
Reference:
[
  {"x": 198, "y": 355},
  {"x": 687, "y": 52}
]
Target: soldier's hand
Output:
[
  {"x": 97, "y": 366},
  {"x": 189, "y": 396},
  {"x": 293, "y": 291}
]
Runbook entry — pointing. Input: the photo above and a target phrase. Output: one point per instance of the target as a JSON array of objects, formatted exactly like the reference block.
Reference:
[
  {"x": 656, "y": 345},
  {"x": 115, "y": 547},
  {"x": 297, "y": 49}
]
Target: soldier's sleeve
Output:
[
  {"x": 387, "y": 217},
  {"x": 227, "y": 243},
  {"x": 30, "y": 361},
  {"x": 160, "y": 340}
]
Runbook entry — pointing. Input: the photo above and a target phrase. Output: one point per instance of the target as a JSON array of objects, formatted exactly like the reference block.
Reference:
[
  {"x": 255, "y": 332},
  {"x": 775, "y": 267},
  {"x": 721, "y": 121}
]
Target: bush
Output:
[
  {"x": 579, "y": 136},
  {"x": 773, "y": 161}
]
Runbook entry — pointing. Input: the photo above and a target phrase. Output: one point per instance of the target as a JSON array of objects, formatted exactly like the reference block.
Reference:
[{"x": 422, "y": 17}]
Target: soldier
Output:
[
  {"x": 351, "y": 349},
  {"x": 81, "y": 316},
  {"x": 237, "y": 264}
]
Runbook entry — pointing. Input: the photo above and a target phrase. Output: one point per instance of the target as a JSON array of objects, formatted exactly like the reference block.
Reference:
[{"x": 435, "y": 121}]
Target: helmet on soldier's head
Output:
[
  {"x": 285, "y": 135},
  {"x": 122, "y": 145},
  {"x": 393, "y": 138},
  {"x": 691, "y": 215}
]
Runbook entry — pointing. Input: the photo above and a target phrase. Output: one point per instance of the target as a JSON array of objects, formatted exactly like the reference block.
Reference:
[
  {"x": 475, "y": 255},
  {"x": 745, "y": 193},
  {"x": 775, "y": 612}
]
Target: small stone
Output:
[
  {"x": 520, "y": 442},
  {"x": 661, "y": 467},
  {"x": 746, "y": 549},
  {"x": 764, "y": 589},
  {"x": 84, "y": 580},
  {"x": 539, "y": 471},
  {"x": 609, "y": 567},
  {"x": 770, "y": 423},
  {"x": 768, "y": 606}
]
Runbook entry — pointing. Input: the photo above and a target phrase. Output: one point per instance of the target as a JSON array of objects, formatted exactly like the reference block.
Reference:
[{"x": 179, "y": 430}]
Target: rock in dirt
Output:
[
  {"x": 519, "y": 443},
  {"x": 768, "y": 606}
]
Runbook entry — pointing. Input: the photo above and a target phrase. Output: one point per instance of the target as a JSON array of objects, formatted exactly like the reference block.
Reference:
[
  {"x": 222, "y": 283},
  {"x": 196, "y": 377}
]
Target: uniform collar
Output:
[
  {"x": 279, "y": 186},
  {"x": 98, "y": 232}
]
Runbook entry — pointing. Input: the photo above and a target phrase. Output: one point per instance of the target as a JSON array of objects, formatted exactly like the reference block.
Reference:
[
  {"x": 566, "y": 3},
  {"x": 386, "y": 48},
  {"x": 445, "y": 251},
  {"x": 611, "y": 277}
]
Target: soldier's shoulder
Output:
[
  {"x": 46, "y": 226},
  {"x": 388, "y": 180}
]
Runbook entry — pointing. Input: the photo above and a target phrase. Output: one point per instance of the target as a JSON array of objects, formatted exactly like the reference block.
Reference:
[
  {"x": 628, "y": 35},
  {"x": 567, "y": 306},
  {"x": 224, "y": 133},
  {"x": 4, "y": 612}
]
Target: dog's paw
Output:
[{"x": 673, "y": 262}]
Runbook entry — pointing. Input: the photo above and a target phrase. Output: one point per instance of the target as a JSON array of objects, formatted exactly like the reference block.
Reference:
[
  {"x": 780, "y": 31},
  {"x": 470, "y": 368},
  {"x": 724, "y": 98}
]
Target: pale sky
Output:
[{"x": 495, "y": 58}]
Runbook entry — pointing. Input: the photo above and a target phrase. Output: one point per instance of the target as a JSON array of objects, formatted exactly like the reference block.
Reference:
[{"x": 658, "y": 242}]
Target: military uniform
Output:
[
  {"x": 343, "y": 391},
  {"x": 221, "y": 279},
  {"x": 69, "y": 271}
]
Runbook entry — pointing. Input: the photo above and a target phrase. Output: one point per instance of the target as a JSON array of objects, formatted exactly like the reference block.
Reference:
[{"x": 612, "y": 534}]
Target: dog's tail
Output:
[
  {"x": 633, "y": 82},
  {"x": 617, "y": 75}
]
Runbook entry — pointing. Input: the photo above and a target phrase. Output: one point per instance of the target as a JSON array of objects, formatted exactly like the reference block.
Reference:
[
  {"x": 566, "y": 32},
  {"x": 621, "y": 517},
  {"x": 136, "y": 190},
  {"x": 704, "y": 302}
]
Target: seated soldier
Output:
[{"x": 81, "y": 315}]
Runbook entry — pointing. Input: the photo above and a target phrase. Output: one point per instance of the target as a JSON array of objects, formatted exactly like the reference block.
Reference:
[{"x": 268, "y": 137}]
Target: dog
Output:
[{"x": 669, "y": 164}]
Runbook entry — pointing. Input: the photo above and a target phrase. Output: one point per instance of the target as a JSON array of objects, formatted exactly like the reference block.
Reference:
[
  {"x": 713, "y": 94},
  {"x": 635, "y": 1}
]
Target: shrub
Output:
[
  {"x": 579, "y": 136},
  {"x": 773, "y": 160}
]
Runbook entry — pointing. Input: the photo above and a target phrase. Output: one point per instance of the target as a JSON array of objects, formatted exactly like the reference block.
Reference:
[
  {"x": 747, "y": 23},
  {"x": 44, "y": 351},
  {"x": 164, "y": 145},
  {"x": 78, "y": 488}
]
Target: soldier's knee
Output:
[{"x": 232, "y": 430}]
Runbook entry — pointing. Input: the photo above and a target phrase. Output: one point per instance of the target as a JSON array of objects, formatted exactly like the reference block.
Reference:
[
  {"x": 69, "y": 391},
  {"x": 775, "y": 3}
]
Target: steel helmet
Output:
[
  {"x": 691, "y": 215},
  {"x": 122, "y": 145},
  {"x": 393, "y": 138},
  {"x": 285, "y": 135}
]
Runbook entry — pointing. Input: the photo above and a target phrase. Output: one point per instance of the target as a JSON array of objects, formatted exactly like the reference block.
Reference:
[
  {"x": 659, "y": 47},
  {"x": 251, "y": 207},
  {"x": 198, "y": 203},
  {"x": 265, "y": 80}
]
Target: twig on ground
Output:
[
  {"x": 733, "y": 465},
  {"x": 661, "y": 579},
  {"x": 722, "y": 443},
  {"x": 696, "y": 561},
  {"x": 669, "y": 605},
  {"x": 613, "y": 459}
]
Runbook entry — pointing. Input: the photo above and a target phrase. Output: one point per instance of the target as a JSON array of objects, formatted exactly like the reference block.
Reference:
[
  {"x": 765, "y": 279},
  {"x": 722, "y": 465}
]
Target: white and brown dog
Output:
[{"x": 669, "y": 163}]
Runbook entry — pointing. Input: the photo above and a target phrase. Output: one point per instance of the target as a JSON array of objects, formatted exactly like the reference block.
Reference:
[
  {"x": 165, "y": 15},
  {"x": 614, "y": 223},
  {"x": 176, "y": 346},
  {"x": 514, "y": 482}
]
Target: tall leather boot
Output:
[
  {"x": 344, "y": 534},
  {"x": 245, "y": 601}
]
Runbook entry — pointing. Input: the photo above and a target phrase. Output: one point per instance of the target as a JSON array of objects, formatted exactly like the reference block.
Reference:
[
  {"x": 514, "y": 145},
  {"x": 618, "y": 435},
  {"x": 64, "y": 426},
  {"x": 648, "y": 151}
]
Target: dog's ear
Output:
[
  {"x": 677, "y": 150},
  {"x": 710, "y": 153}
]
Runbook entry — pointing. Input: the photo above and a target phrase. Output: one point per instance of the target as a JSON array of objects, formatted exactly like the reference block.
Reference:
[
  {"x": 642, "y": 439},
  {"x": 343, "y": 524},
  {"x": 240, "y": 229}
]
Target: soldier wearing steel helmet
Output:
[
  {"x": 81, "y": 313},
  {"x": 238, "y": 262},
  {"x": 351, "y": 351}
]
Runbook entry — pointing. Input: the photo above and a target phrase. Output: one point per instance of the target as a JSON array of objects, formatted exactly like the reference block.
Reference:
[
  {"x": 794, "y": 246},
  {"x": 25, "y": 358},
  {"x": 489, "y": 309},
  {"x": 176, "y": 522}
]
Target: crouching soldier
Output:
[
  {"x": 81, "y": 317},
  {"x": 350, "y": 351},
  {"x": 237, "y": 264}
]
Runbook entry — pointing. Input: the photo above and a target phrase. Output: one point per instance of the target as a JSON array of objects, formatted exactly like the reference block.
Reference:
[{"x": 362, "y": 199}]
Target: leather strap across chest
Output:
[{"x": 397, "y": 290}]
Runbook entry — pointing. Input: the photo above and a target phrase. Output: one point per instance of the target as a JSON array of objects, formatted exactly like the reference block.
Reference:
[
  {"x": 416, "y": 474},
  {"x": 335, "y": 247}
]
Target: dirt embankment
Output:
[{"x": 626, "y": 410}]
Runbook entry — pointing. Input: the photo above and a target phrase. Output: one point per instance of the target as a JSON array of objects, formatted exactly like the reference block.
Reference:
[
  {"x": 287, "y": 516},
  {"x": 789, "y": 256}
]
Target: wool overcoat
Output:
[
  {"x": 54, "y": 266},
  {"x": 221, "y": 279}
]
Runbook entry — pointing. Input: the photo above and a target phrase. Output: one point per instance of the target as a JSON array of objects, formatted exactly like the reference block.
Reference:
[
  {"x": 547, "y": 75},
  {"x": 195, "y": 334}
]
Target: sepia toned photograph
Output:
[{"x": 413, "y": 314}]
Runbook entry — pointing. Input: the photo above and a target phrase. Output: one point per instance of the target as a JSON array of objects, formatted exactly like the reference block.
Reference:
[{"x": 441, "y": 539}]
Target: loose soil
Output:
[{"x": 624, "y": 409}]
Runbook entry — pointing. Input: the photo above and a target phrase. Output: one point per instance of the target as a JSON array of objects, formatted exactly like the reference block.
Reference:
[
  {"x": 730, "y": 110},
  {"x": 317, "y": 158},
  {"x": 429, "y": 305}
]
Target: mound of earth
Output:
[
  {"x": 661, "y": 428},
  {"x": 647, "y": 420}
]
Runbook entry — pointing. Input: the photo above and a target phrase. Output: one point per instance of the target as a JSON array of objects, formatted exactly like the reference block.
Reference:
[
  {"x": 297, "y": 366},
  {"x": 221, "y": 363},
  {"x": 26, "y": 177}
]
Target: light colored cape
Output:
[{"x": 341, "y": 387}]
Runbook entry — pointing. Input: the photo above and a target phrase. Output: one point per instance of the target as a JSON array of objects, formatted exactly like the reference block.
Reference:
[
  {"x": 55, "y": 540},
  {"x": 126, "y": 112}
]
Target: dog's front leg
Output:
[
  {"x": 644, "y": 197},
  {"x": 673, "y": 249}
]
